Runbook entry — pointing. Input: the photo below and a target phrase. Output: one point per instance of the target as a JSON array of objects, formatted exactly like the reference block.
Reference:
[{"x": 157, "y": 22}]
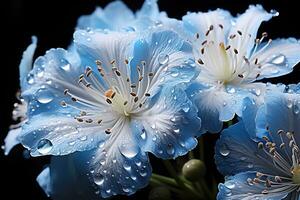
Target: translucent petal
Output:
[{"x": 12, "y": 140}]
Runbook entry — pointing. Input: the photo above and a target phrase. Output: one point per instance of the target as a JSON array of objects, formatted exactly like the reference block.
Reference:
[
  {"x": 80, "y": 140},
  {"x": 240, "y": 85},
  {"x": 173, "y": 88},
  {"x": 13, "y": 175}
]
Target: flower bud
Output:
[
  {"x": 160, "y": 193},
  {"x": 193, "y": 170}
]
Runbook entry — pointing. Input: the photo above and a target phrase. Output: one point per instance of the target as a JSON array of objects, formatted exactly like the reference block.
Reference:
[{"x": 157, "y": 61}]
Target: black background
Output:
[{"x": 53, "y": 22}]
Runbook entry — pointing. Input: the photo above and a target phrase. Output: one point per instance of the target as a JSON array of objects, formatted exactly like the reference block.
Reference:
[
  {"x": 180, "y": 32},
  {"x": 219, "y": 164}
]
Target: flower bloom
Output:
[
  {"x": 117, "y": 94},
  {"x": 231, "y": 60},
  {"x": 116, "y": 16},
  {"x": 260, "y": 154}
]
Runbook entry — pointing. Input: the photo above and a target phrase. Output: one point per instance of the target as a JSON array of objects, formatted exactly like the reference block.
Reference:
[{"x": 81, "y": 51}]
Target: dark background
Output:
[{"x": 53, "y": 22}]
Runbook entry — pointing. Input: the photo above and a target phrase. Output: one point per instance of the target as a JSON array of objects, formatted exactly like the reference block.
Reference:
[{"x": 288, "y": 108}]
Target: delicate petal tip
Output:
[
  {"x": 44, "y": 181},
  {"x": 11, "y": 140},
  {"x": 26, "y": 62}
]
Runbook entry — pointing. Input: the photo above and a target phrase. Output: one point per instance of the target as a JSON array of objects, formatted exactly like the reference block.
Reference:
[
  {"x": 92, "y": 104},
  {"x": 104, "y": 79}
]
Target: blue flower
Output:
[
  {"x": 231, "y": 61},
  {"x": 118, "y": 95},
  {"x": 116, "y": 16},
  {"x": 260, "y": 154}
]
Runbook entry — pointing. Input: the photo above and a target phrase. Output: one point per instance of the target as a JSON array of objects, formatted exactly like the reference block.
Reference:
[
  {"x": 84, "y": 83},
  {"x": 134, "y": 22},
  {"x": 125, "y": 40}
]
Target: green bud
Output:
[
  {"x": 193, "y": 170},
  {"x": 160, "y": 193}
]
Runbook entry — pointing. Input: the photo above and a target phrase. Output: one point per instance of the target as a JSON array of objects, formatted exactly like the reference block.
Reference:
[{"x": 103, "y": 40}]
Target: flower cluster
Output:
[{"x": 134, "y": 84}]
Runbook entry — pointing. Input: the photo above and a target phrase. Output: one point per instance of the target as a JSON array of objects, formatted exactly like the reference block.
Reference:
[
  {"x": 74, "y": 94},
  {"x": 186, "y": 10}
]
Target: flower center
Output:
[
  {"x": 118, "y": 102},
  {"x": 228, "y": 60}
]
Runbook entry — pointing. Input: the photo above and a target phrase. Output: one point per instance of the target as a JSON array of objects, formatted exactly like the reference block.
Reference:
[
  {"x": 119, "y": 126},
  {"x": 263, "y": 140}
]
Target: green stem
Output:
[
  {"x": 191, "y": 155},
  {"x": 156, "y": 182},
  {"x": 201, "y": 148},
  {"x": 206, "y": 190}
]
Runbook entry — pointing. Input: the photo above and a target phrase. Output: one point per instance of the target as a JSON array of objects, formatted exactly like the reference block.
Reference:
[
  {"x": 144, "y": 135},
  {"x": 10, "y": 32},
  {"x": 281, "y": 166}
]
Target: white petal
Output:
[{"x": 12, "y": 139}]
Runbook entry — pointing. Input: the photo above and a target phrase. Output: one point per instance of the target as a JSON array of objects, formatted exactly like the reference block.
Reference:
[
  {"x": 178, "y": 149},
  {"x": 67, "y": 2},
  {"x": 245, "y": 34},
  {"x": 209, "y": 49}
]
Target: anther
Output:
[
  {"x": 140, "y": 78},
  {"x": 118, "y": 73},
  {"x": 232, "y": 36},
  {"x": 73, "y": 99},
  {"x": 135, "y": 99},
  {"x": 282, "y": 145},
  {"x": 150, "y": 74},
  {"x": 112, "y": 62},
  {"x": 241, "y": 75},
  {"x": 108, "y": 101},
  {"x": 197, "y": 35},
  {"x": 279, "y": 132},
  {"x": 264, "y": 34},
  {"x": 140, "y": 105},
  {"x": 133, "y": 94},
  {"x": 66, "y": 91},
  {"x": 259, "y": 174},
  {"x": 278, "y": 179},
  {"x": 228, "y": 47},
  {"x": 98, "y": 62},
  {"x": 200, "y": 61},
  {"x": 204, "y": 42},
  {"x": 79, "y": 119},
  {"x": 108, "y": 131},
  {"x": 133, "y": 86},
  {"x": 202, "y": 51},
  {"x": 256, "y": 61},
  {"x": 235, "y": 51},
  {"x": 221, "y": 26},
  {"x": 63, "y": 103},
  {"x": 211, "y": 27},
  {"x": 88, "y": 71},
  {"x": 147, "y": 94},
  {"x": 257, "y": 75},
  {"x": 99, "y": 121},
  {"x": 108, "y": 93},
  {"x": 125, "y": 103},
  {"x": 260, "y": 145},
  {"x": 239, "y": 32},
  {"x": 126, "y": 61},
  {"x": 83, "y": 113},
  {"x": 207, "y": 32},
  {"x": 89, "y": 121},
  {"x": 265, "y": 192}
]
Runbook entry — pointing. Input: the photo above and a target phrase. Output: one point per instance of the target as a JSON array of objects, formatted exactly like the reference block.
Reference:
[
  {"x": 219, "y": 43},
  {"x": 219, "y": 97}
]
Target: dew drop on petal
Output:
[
  {"x": 44, "y": 96},
  {"x": 163, "y": 59},
  {"x": 175, "y": 74},
  {"x": 250, "y": 165},
  {"x": 143, "y": 134},
  {"x": 224, "y": 151},
  {"x": 231, "y": 90},
  {"x": 83, "y": 138},
  {"x": 30, "y": 79},
  {"x": 65, "y": 65},
  {"x": 129, "y": 150},
  {"x": 44, "y": 146},
  {"x": 98, "y": 179},
  {"x": 229, "y": 184},
  {"x": 296, "y": 109},
  {"x": 275, "y": 13},
  {"x": 170, "y": 149},
  {"x": 278, "y": 60}
]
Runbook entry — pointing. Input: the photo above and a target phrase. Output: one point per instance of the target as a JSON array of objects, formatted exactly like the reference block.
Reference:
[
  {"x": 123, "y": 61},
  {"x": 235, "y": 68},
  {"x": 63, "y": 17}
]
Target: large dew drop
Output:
[
  {"x": 163, "y": 59},
  {"x": 224, "y": 150},
  {"x": 44, "y": 96},
  {"x": 44, "y": 146},
  {"x": 278, "y": 60},
  {"x": 129, "y": 150},
  {"x": 98, "y": 179}
]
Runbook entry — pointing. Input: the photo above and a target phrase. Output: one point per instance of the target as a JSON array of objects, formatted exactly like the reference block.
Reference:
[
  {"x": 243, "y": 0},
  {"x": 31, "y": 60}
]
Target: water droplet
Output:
[
  {"x": 224, "y": 150},
  {"x": 154, "y": 138},
  {"x": 243, "y": 158},
  {"x": 130, "y": 29},
  {"x": 229, "y": 184},
  {"x": 72, "y": 143},
  {"x": 278, "y": 60},
  {"x": 44, "y": 146},
  {"x": 143, "y": 173},
  {"x": 30, "y": 79},
  {"x": 170, "y": 149},
  {"x": 143, "y": 135},
  {"x": 173, "y": 119},
  {"x": 163, "y": 59},
  {"x": 275, "y": 13},
  {"x": 40, "y": 73},
  {"x": 250, "y": 165},
  {"x": 231, "y": 90},
  {"x": 158, "y": 23},
  {"x": 65, "y": 65},
  {"x": 176, "y": 130},
  {"x": 127, "y": 190},
  {"x": 186, "y": 109},
  {"x": 296, "y": 109},
  {"x": 289, "y": 103},
  {"x": 44, "y": 96},
  {"x": 175, "y": 74},
  {"x": 83, "y": 138},
  {"x": 129, "y": 150},
  {"x": 153, "y": 126},
  {"x": 127, "y": 167},
  {"x": 108, "y": 191}
]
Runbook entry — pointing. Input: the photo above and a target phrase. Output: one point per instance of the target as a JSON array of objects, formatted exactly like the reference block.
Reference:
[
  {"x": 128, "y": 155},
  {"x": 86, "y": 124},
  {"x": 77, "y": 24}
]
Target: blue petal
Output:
[
  {"x": 68, "y": 177},
  {"x": 248, "y": 23},
  {"x": 167, "y": 56},
  {"x": 120, "y": 166},
  {"x": 237, "y": 150},
  {"x": 149, "y": 9},
  {"x": 200, "y": 22},
  {"x": 47, "y": 119},
  {"x": 26, "y": 62},
  {"x": 237, "y": 187},
  {"x": 278, "y": 59},
  {"x": 169, "y": 128},
  {"x": 114, "y": 16}
]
